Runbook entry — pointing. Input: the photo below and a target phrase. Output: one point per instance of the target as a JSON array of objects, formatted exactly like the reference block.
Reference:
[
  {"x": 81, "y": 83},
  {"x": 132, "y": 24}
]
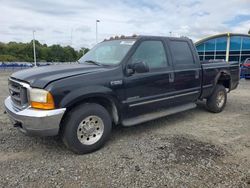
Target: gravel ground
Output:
[{"x": 190, "y": 149}]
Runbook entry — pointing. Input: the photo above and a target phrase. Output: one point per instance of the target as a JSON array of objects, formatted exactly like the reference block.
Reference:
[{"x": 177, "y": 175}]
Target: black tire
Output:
[
  {"x": 213, "y": 104},
  {"x": 71, "y": 124}
]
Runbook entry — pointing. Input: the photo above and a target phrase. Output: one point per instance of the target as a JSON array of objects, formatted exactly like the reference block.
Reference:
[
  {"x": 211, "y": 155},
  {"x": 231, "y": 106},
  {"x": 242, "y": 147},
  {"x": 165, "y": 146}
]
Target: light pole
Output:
[
  {"x": 71, "y": 37},
  {"x": 96, "y": 30},
  {"x": 34, "y": 47}
]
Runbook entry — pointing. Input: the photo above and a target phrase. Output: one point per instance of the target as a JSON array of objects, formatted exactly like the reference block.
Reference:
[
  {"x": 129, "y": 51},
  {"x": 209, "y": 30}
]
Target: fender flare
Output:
[
  {"x": 88, "y": 92},
  {"x": 221, "y": 72},
  {"x": 77, "y": 96}
]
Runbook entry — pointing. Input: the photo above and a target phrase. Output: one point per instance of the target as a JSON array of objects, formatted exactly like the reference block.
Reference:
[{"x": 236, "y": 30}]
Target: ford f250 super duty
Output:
[{"x": 120, "y": 81}]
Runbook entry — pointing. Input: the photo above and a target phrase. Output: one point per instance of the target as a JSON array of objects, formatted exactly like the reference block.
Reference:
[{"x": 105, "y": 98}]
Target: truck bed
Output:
[{"x": 211, "y": 72}]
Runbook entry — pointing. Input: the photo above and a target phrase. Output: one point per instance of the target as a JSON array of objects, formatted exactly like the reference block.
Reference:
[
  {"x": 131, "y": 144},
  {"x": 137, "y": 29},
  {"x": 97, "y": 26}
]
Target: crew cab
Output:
[{"x": 121, "y": 81}]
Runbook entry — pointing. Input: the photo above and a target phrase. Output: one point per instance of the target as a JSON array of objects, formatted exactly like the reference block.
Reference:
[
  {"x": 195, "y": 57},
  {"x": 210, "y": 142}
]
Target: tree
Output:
[
  {"x": 249, "y": 32},
  {"x": 81, "y": 52},
  {"x": 8, "y": 58},
  {"x": 14, "y": 51}
]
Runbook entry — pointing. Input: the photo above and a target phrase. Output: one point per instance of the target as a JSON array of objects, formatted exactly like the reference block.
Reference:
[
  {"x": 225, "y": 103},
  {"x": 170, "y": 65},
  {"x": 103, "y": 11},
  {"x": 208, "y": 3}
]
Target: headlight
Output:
[{"x": 42, "y": 99}]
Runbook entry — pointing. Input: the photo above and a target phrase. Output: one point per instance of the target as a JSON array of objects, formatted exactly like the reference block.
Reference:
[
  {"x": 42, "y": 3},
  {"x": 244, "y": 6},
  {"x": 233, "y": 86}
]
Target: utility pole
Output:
[
  {"x": 96, "y": 30},
  {"x": 170, "y": 33},
  {"x": 34, "y": 48}
]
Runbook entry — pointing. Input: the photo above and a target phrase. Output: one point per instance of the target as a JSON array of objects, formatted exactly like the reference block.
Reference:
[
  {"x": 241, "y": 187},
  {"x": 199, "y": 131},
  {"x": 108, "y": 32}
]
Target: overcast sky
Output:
[{"x": 55, "y": 20}]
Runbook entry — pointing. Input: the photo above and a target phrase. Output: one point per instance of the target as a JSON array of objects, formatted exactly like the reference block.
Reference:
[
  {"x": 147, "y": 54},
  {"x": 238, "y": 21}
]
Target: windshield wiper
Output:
[{"x": 93, "y": 62}]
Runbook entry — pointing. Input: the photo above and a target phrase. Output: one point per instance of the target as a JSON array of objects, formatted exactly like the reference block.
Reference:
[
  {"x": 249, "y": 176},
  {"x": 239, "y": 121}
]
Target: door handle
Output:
[
  {"x": 197, "y": 74},
  {"x": 171, "y": 77}
]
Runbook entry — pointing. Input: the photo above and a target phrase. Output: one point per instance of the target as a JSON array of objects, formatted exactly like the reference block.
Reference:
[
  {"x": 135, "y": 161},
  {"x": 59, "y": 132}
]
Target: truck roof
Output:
[{"x": 136, "y": 37}]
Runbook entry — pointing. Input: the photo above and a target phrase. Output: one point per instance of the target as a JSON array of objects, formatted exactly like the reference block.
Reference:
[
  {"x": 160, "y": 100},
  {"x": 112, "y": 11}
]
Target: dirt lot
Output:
[{"x": 191, "y": 149}]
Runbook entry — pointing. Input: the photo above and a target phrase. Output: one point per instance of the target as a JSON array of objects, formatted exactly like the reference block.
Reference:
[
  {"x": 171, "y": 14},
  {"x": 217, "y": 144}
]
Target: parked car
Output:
[
  {"x": 245, "y": 69},
  {"x": 123, "y": 81}
]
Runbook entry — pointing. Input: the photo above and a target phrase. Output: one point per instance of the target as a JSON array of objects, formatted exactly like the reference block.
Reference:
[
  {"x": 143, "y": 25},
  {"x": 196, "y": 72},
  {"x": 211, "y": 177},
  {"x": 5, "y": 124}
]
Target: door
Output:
[
  {"x": 187, "y": 71},
  {"x": 146, "y": 92}
]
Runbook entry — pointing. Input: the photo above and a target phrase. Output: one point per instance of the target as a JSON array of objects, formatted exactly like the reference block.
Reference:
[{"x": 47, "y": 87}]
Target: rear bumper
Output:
[{"x": 33, "y": 121}]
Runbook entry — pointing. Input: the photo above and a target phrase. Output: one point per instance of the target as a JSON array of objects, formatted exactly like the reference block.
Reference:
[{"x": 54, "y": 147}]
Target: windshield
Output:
[{"x": 108, "y": 52}]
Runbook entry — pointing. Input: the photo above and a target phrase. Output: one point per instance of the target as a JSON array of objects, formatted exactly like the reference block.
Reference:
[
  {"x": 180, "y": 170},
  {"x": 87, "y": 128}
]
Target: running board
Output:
[{"x": 155, "y": 115}]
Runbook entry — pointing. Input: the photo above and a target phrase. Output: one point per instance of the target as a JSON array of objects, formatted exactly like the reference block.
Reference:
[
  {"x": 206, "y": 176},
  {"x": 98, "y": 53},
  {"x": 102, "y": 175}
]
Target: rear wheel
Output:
[
  {"x": 217, "y": 101},
  {"x": 86, "y": 128}
]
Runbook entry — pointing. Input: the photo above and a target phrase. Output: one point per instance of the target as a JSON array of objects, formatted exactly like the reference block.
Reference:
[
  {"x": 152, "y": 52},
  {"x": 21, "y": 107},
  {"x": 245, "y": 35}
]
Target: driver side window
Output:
[{"x": 152, "y": 53}]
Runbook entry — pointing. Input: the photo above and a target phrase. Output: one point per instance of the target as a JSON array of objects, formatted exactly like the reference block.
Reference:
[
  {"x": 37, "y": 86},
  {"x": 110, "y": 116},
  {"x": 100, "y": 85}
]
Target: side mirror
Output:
[{"x": 139, "y": 67}]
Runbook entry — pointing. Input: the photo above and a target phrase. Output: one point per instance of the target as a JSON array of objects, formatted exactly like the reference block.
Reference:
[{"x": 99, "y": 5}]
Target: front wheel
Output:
[
  {"x": 86, "y": 128},
  {"x": 217, "y": 101}
]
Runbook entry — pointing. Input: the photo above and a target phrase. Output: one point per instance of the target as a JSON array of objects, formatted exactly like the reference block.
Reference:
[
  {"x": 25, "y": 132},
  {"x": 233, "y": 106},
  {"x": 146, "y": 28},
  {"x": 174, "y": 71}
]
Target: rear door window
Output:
[{"x": 181, "y": 52}]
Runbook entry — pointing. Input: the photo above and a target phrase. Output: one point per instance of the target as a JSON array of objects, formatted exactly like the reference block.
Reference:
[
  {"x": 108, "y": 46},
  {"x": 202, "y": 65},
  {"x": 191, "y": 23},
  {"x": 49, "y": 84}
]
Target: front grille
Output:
[{"x": 18, "y": 94}]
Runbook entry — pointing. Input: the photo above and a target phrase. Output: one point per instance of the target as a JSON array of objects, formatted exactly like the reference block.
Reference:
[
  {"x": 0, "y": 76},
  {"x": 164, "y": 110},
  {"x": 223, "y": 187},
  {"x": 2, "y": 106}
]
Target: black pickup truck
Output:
[{"x": 121, "y": 81}]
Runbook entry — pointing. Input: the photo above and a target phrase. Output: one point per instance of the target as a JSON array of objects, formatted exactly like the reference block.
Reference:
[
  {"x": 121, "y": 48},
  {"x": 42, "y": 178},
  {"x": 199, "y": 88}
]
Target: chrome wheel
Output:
[
  {"x": 90, "y": 130},
  {"x": 220, "y": 99}
]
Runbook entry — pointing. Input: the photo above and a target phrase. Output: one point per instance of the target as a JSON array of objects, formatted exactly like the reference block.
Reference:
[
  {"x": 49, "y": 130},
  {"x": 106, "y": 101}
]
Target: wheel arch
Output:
[
  {"x": 101, "y": 95},
  {"x": 224, "y": 78}
]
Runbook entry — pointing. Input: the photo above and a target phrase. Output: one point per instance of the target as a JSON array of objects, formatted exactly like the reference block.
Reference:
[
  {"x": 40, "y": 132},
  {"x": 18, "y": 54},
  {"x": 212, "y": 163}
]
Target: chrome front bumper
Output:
[{"x": 34, "y": 121}]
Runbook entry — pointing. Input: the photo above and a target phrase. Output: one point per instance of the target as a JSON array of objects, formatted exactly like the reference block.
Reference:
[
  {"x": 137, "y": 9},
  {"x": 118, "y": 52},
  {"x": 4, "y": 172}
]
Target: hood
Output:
[{"x": 41, "y": 76}]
